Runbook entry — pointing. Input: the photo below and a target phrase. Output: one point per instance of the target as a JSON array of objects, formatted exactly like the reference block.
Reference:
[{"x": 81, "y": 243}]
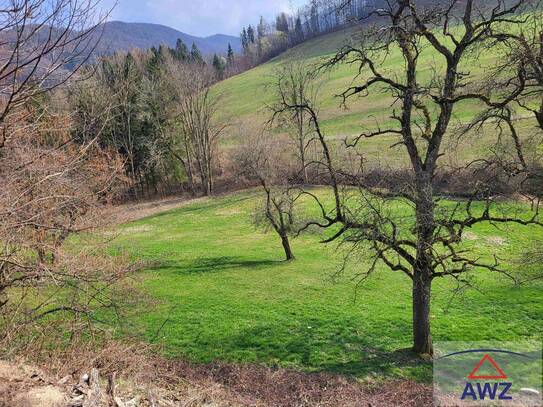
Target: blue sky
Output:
[{"x": 200, "y": 17}]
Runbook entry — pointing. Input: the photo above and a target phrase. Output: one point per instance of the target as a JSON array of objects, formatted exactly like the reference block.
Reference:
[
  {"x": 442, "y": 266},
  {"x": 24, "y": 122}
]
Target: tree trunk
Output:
[
  {"x": 286, "y": 246},
  {"x": 422, "y": 273},
  {"x": 539, "y": 114},
  {"x": 301, "y": 140},
  {"x": 422, "y": 337}
]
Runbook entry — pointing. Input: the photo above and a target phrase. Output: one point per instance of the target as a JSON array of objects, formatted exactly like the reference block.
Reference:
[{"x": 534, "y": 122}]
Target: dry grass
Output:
[
  {"x": 148, "y": 379},
  {"x": 133, "y": 211}
]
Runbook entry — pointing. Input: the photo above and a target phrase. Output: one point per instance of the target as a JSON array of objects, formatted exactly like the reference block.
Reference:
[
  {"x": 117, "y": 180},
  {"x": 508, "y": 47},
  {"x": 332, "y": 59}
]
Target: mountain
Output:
[{"x": 120, "y": 36}]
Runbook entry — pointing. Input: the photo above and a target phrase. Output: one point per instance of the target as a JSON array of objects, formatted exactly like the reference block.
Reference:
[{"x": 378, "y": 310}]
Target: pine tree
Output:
[
  {"x": 261, "y": 28},
  {"x": 218, "y": 64},
  {"x": 196, "y": 55},
  {"x": 162, "y": 52},
  {"x": 315, "y": 28},
  {"x": 298, "y": 31},
  {"x": 281, "y": 23},
  {"x": 153, "y": 64},
  {"x": 261, "y": 33},
  {"x": 181, "y": 52},
  {"x": 230, "y": 55},
  {"x": 251, "y": 34},
  {"x": 244, "y": 41}
]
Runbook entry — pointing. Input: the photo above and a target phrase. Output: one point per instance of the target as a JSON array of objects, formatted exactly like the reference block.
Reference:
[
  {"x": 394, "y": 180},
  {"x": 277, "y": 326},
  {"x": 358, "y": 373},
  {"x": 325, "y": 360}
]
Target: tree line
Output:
[
  {"x": 162, "y": 117},
  {"x": 266, "y": 40}
]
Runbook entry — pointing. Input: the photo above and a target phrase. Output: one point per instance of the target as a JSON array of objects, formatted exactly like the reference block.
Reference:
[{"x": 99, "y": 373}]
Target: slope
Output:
[{"x": 246, "y": 96}]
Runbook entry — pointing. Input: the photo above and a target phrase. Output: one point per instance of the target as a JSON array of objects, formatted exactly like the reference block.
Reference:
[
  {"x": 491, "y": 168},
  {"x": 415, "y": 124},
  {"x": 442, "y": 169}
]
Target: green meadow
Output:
[
  {"x": 219, "y": 290},
  {"x": 245, "y": 100},
  {"x": 245, "y": 97}
]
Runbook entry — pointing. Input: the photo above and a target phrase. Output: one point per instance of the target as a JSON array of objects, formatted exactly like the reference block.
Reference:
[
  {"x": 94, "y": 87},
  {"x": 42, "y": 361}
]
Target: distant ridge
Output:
[{"x": 120, "y": 36}]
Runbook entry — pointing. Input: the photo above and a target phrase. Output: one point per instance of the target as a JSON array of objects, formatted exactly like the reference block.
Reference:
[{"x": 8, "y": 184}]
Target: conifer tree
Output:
[
  {"x": 196, "y": 55},
  {"x": 261, "y": 33},
  {"x": 261, "y": 28},
  {"x": 219, "y": 65},
  {"x": 244, "y": 41},
  {"x": 281, "y": 23},
  {"x": 251, "y": 34},
  {"x": 162, "y": 52},
  {"x": 153, "y": 64},
  {"x": 230, "y": 55},
  {"x": 298, "y": 31},
  {"x": 181, "y": 52},
  {"x": 314, "y": 18}
]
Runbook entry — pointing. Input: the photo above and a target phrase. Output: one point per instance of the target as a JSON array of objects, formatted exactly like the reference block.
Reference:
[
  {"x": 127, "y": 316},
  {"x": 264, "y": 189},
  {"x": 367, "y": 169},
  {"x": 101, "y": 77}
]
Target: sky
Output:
[{"x": 200, "y": 17}]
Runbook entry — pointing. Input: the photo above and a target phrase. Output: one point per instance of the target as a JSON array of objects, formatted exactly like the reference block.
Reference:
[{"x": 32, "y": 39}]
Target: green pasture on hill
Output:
[{"x": 245, "y": 99}]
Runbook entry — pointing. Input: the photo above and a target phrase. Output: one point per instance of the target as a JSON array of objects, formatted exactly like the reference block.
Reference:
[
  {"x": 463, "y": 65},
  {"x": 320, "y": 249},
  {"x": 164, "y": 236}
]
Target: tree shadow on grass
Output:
[
  {"x": 389, "y": 363},
  {"x": 207, "y": 265},
  {"x": 340, "y": 353}
]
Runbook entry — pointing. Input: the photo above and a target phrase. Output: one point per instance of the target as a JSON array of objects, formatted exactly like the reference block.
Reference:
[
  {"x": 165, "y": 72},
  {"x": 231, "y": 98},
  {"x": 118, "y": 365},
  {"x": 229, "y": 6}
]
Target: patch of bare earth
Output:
[
  {"x": 25, "y": 386},
  {"x": 497, "y": 240},
  {"x": 128, "y": 377}
]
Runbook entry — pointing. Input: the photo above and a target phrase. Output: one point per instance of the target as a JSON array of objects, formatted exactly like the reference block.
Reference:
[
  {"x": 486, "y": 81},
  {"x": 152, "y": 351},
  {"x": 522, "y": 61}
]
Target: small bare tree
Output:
[
  {"x": 294, "y": 80},
  {"x": 428, "y": 245},
  {"x": 261, "y": 162}
]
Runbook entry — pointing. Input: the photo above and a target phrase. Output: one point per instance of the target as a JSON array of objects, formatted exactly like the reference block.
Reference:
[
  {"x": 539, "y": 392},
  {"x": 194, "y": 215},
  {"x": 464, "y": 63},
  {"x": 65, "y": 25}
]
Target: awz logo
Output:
[
  {"x": 492, "y": 391},
  {"x": 488, "y": 373},
  {"x": 487, "y": 391}
]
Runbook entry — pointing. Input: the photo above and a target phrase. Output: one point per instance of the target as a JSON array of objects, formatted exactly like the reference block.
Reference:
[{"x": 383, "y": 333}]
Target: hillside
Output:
[
  {"x": 120, "y": 36},
  {"x": 245, "y": 97}
]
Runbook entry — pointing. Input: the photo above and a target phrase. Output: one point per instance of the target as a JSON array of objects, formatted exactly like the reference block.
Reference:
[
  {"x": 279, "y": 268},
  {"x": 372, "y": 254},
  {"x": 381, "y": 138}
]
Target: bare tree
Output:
[
  {"x": 199, "y": 131},
  {"x": 42, "y": 44},
  {"x": 428, "y": 245},
  {"x": 524, "y": 51},
  {"x": 295, "y": 81},
  {"x": 261, "y": 161}
]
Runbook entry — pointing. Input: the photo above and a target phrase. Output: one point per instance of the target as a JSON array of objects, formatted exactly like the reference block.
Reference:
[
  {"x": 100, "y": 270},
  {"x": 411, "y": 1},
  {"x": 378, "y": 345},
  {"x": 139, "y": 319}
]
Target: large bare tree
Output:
[
  {"x": 198, "y": 132},
  {"x": 425, "y": 241}
]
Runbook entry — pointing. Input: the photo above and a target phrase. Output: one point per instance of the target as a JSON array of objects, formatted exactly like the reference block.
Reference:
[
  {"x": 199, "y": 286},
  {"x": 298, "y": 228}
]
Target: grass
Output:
[
  {"x": 223, "y": 292},
  {"x": 245, "y": 97}
]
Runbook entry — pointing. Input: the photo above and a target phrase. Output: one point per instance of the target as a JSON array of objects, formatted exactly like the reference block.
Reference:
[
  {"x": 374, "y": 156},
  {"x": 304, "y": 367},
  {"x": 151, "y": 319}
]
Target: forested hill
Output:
[{"x": 120, "y": 36}]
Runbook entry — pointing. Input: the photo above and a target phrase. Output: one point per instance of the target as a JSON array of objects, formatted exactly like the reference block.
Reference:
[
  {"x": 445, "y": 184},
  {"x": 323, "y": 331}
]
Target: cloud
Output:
[{"x": 200, "y": 17}]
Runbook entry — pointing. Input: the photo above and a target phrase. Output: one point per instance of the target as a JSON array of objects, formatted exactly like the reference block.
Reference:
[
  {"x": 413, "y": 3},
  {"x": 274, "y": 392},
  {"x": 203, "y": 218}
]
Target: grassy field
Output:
[
  {"x": 245, "y": 99},
  {"x": 245, "y": 96},
  {"x": 223, "y": 292}
]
